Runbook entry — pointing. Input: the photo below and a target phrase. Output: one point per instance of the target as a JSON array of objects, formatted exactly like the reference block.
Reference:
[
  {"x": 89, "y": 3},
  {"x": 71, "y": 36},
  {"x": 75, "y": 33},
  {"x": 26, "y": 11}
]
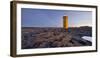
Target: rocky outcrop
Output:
[{"x": 51, "y": 37}]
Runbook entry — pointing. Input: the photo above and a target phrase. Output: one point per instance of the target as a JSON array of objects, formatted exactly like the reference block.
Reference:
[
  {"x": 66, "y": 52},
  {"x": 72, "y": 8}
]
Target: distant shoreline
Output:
[{"x": 56, "y": 27}]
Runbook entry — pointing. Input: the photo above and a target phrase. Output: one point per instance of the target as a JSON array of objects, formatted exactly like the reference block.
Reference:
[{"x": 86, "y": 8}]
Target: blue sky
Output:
[{"x": 54, "y": 18}]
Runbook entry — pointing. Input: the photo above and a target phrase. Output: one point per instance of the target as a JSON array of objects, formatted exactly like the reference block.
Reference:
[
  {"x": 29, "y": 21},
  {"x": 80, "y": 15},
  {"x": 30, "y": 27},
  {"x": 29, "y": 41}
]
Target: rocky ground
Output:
[{"x": 35, "y": 37}]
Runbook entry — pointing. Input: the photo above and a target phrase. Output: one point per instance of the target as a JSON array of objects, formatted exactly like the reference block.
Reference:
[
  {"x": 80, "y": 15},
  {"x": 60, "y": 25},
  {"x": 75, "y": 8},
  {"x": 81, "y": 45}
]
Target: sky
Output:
[{"x": 54, "y": 18}]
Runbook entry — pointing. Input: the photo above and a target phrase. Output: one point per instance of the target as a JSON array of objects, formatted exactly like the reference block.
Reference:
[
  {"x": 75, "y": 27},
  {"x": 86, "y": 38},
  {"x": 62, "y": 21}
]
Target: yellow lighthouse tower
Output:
[{"x": 65, "y": 22}]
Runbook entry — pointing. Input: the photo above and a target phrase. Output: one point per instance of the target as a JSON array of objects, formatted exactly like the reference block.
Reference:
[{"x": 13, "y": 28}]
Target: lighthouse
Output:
[{"x": 65, "y": 22}]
